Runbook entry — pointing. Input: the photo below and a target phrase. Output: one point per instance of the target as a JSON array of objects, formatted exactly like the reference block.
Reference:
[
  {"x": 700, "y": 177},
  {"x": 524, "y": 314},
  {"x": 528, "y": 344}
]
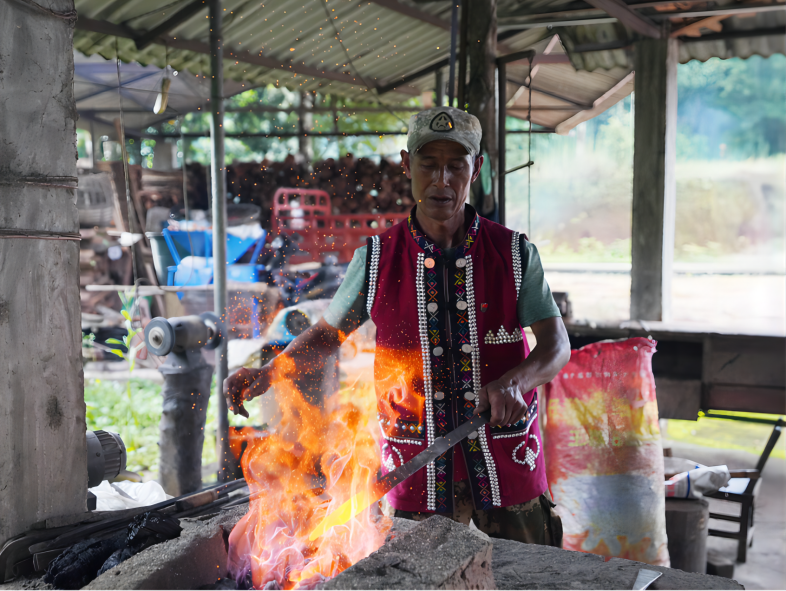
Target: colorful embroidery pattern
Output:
[
  {"x": 373, "y": 273},
  {"x": 466, "y": 358},
  {"x": 428, "y": 392}
]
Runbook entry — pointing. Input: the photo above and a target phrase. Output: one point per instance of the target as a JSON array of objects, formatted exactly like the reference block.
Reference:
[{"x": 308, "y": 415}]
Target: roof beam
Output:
[
  {"x": 107, "y": 28},
  {"x": 426, "y": 17},
  {"x": 623, "y": 13},
  {"x": 413, "y": 12},
  {"x": 171, "y": 23}
]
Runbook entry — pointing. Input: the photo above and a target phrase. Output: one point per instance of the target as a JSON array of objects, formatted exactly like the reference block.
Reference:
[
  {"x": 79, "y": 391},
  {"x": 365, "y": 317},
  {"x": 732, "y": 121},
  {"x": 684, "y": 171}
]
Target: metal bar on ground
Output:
[{"x": 218, "y": 179}]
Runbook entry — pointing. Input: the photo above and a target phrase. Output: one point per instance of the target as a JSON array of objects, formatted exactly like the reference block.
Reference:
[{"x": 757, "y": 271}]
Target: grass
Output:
[
  {"x": 726, "y": 434},
  {"x": 133, "y": 410}
]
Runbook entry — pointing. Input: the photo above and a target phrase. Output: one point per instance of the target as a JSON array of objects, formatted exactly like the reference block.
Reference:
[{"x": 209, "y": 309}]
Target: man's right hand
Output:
[{"x": 246, "y": 384}]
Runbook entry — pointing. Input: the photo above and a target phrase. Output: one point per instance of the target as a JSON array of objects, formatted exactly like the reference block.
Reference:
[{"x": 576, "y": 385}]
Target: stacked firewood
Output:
[{"x": 355, "y": 185}]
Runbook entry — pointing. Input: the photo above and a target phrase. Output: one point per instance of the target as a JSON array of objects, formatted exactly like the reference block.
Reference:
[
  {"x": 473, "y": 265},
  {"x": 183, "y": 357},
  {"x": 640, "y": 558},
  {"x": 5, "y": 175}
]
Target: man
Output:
[{"x": 449, "y": 293}]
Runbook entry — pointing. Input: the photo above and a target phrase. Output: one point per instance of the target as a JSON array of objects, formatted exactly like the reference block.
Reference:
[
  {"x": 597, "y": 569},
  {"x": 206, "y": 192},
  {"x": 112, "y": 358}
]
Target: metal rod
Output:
[
  {"x": 462, "y": 55},
  {"x": 519, "y": 167},
  {"x": 218, "y": 182},
  {"x": 452, "y": 63},
  {"x": 501, "y": 136},
  {"x": 439, "y": 82}
]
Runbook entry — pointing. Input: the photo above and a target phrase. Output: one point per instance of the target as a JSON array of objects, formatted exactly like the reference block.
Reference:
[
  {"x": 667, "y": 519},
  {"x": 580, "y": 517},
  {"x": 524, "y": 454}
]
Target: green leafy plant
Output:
[{"x": 129, "y": 303}]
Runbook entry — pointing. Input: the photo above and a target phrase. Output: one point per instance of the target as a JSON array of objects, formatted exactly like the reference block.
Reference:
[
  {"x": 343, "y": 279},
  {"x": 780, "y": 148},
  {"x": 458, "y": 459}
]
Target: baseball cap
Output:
[{"x": 444, "y": 123}]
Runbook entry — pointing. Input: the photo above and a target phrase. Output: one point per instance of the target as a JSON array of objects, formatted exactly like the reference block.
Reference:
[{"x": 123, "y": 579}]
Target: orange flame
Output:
[{"x": 313, "y": 462}]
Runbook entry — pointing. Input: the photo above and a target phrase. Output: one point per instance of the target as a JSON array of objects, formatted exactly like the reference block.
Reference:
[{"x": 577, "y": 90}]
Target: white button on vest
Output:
[
  {"x": 466, "y": 348},
  {"x": 437, "y": 351},
  {"x": 462, "y": 305},
  {"x": 469, "y": 395},
  {"x": 461, "y": 263},
  {"x": 432, "y": 307},
  {"x": 439, "y": 395}
]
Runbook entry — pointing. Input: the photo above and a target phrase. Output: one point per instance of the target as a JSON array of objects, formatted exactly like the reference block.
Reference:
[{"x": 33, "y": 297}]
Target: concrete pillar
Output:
[
  {"x": 481, "y": 91},
  {"x": 43, "y": 449},
  {"x": 654, "y": 184}
]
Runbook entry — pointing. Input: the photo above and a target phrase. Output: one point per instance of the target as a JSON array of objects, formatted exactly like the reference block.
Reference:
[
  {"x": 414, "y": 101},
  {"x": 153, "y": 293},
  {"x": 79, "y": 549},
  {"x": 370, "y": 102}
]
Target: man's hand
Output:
[
  {"x": 506, "y": 402},
  {"x": 246, "y": 384}
]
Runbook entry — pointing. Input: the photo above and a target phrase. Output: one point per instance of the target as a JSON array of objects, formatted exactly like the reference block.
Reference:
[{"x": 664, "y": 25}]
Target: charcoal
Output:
[
  {"x": 224, "y": 584},
  {"x": 116, "y": 558},
  {"x": 151, "y": 528},
  {"x": 79, "y": 565}
]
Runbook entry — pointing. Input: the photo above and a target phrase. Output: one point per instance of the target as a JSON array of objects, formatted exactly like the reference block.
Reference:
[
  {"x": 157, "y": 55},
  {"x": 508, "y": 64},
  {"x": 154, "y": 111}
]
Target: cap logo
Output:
[{"x": 442, "y": 122}]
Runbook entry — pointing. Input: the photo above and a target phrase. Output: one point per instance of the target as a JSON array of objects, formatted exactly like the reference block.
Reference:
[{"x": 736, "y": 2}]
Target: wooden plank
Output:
[
  {"x": 752, "y": 361},
  {"x": 654, "y": 184},
  {"x": 694, "y": 29},
  {"x": 745, "y": 399},
  {"x": 678, "y": 399}
]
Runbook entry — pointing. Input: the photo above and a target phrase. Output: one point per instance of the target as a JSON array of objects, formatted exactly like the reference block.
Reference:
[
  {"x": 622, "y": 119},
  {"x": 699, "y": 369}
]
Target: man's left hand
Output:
[{"x": 505, "y": 400}]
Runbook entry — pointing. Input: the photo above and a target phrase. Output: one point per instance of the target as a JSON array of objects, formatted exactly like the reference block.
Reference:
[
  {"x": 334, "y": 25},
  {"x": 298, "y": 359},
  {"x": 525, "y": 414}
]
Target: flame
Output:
[{"x": 313, "y": 462}]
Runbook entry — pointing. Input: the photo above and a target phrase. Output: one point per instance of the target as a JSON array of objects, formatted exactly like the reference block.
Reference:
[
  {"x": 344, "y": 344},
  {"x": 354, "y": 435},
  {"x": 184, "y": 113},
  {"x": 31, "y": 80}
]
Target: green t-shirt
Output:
[{"x": 347, "y": 310}]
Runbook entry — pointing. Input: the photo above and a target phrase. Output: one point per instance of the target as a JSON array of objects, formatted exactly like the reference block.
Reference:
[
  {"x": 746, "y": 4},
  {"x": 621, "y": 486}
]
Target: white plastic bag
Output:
[
  {"x": 694, "y": 483},
  {"x": 117, "y": 496}
]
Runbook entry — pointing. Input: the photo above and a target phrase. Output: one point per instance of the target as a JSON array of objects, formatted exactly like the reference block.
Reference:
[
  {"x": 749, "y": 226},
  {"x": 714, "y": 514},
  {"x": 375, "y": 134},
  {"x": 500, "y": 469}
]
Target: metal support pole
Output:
[
  {"x": 439, "y": 82},
  {"x": 462, "y": 55},
  {"x": 501, "y": 136},
  {"x": 452, "y": 67},
  {"x": 218, "y": 184}
]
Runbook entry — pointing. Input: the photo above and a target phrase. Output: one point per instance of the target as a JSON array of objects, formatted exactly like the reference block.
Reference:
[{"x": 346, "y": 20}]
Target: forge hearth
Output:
[{"x": 433, "y": 554}]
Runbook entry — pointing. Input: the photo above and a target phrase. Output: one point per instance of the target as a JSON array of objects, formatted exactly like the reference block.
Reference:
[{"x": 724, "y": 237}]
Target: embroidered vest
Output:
[{"x": 445, "y": 328}]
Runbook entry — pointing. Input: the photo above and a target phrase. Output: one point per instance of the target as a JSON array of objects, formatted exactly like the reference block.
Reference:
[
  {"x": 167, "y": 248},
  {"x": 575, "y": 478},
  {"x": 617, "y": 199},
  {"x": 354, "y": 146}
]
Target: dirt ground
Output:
[{"x": 765, "y": 567}]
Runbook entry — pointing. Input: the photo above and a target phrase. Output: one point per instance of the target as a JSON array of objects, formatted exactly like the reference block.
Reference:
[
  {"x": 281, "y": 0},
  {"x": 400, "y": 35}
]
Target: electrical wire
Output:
[{"x": 354, "y": 68}]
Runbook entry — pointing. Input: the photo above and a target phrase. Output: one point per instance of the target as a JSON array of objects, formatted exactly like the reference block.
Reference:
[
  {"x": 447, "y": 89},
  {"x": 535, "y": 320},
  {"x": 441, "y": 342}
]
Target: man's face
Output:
[{"x": 441, "y": 173}]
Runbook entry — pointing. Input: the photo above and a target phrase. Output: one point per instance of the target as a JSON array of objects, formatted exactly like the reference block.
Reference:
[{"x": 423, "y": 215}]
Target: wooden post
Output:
[
  {"x": 43, "y": 450},
  {"x": 481, "y": 92},
  {"x": 654, "y": 185}
]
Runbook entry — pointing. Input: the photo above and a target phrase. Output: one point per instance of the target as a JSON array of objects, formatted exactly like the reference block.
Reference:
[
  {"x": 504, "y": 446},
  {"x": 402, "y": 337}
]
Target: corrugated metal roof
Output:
[{"x": 293, "y": 43}]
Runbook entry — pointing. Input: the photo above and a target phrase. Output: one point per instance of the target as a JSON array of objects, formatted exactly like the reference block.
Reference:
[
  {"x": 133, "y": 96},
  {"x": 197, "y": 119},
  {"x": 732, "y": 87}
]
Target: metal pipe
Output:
[
  {"x": 501, "y": 136},
  {"x": 218, "y": 184},
  {"x": 462, "y": 55},
  {"x": 439, "y": 82},
  {"x": 452, "y": 64}
]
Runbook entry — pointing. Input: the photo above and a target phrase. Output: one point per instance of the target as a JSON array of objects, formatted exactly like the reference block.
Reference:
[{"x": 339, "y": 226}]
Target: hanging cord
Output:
[
  {"x": 129, "y": 207},
  {"x": 354, "y": 69},
  {"x": 529, "y": 155}
]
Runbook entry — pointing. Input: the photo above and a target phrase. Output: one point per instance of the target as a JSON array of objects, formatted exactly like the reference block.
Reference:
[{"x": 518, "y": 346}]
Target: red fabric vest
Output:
[{"x": 445, "y": 328}]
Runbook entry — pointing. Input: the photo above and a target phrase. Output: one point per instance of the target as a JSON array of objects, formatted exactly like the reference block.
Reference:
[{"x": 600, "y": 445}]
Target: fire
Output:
[{"x": 315, "y": 461}]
